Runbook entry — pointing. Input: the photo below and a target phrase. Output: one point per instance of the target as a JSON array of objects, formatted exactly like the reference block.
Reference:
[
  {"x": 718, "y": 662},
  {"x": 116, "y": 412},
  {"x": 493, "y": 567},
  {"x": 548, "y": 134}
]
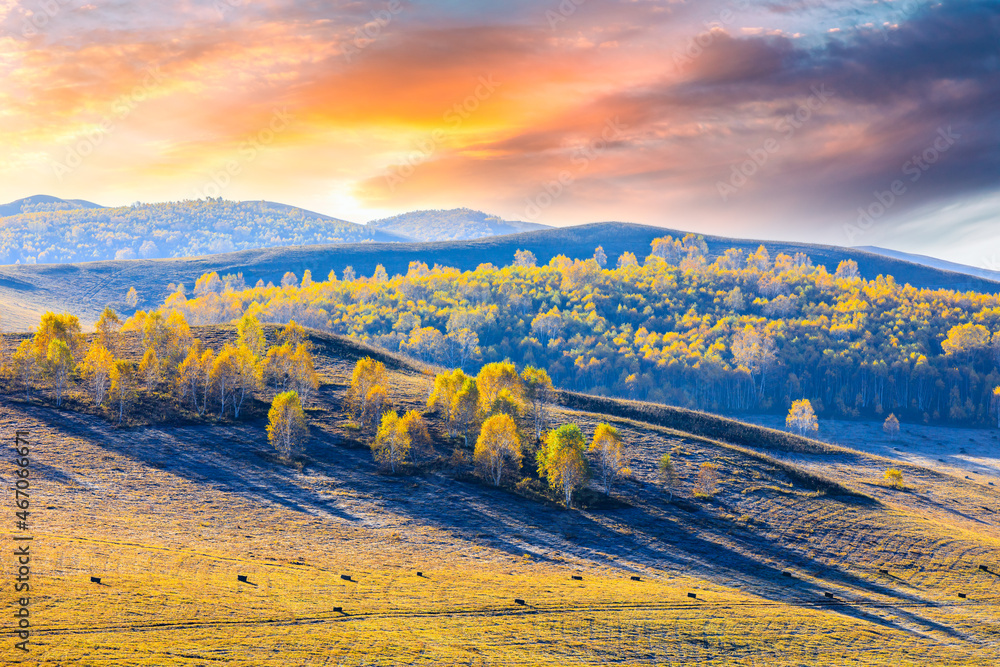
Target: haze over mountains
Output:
[{"x": 45, "y": 230}]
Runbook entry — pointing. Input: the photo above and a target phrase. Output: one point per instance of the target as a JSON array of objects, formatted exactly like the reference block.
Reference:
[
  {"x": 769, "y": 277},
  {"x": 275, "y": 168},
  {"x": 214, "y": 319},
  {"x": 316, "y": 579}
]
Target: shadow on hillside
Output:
[{"x": 219, "y": 455}]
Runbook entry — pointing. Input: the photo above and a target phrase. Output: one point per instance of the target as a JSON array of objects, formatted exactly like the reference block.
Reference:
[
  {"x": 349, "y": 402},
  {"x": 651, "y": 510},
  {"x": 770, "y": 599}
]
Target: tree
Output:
[
  {"x": 600, "y": 257},
  {"x": 708, "y": 480},
  {"x": 122, "y": 386},
  {"x": 26, "y": 365},
  {"x": 525, "y": 258},
  {"x": 561, "y": 460},
  {"x": 611, "y": 454},
  {"x": 132, "y": 298},
  {"x": 996, "y": 404},
  {"x": 802, "y": 418},
  {"x": 392, "y": 442},
  {"x": 64, "y": 327},
  {"x": 446, "y": 386},
  {"x": 667, "y": 473},
  {"x": 293, "y": 334},
  {"x": 413, "y": 425},
  {"x": 375, "y": 405},
  {"x": 251, "y": 335},
  {"x": 465, "y": 407},
  {"x": 538, "y": 391},
  {"x": 498, "y": 448},
  {"x": 223, "y": 375},
  {"x": 205, "y": 365},
  {"x": 108, "y": 330},
  {"x": 149, "y": 370},
  {"x": 368, "y": 374},
  {"x": 891, "y": 426},
  {"x": 964, "y": 340},
  {"x": 246, "y": 377},
  {"x": 894, "y": 478},
  {"x": 189, "y": 375},
  {"x": 59, "y": 364},
  {"x": 96, "y": 369},
  {"x": 492, "y": 380},
  {"x": 286, "y": 425}
]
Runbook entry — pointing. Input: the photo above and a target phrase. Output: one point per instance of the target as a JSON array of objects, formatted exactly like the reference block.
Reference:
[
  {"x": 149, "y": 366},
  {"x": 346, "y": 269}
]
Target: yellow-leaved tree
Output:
[
  {"x": 500, "y": 389},
  {"x": 59, "y": 364},
  {"x": 286, "y": 425},
  {"x": 392, "y": 442},
  {"x": 561, "y": 460},
  {"x": 97, "y": 371},
  {"x": 802, "y": 418},
  {"x": 122, "y": 386},
  {"x": 611, "y": 454},
  {"x": 498, "y": 449},
  {"x": 368, "y": 393},
  {"x": 538, "y": 392}
]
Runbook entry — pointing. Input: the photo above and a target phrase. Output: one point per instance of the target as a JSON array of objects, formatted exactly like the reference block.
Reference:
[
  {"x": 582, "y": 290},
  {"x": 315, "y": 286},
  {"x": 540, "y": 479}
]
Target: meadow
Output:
[{"x": 168, "y": 514}]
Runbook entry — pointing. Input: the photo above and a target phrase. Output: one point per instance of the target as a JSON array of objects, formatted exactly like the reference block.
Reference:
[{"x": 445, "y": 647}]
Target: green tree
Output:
[{"x": 667, "y": 473}]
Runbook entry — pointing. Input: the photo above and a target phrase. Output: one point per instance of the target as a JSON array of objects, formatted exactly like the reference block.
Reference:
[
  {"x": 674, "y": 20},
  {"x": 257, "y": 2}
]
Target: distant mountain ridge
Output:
[
  {"x": 85, "y": 288},
  {"x": 457, "y": 224},
  {"x": 37, "y": 203},
  {"x": 934, "y": 262}
]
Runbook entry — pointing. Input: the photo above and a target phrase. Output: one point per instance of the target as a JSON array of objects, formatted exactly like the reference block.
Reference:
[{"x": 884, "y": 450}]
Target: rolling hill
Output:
[
  {"x": 44, "y": 203},
  {"x": 459, "y": 224},
  {"x": 46, "y": 232},
  {"x": 801, "y": 556},
  {"x": 934, "y": 262},
  {"x": 85, "y": 288}
]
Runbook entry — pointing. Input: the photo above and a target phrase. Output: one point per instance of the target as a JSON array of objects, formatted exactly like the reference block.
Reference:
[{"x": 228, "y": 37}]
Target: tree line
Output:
[
  {"x": 155, "y": 356},
  {"x": 740, "y": 332}
]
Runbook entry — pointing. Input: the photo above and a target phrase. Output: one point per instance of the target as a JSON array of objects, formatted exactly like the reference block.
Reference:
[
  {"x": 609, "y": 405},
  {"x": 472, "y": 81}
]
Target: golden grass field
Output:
[{"x": 169, "y": 514}]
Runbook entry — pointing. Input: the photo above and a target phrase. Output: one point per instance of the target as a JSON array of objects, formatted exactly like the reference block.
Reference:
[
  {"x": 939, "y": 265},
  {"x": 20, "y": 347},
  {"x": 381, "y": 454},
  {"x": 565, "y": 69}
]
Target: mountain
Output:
[
  {"x": 933, "y": 262},
  {"x": 457, "y": 224},
  {"x": 44, "y": 203},
  {"x": 47, "y": 233},
  {"x": 85, "y": 288}
]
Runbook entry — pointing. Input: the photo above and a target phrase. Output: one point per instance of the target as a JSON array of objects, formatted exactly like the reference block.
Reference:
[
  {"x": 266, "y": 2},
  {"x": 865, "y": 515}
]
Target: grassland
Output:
[{"x": 169, "y": 514}]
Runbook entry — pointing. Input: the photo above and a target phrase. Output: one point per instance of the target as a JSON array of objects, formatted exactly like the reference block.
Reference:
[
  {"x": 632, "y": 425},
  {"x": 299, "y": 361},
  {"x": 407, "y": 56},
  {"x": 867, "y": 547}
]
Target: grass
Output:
[{"x": 167, "y": 514}]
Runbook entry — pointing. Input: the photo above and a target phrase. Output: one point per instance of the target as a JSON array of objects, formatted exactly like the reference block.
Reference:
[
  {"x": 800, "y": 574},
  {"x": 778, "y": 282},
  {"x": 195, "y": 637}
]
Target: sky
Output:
[{"x": 862, "y": 122}]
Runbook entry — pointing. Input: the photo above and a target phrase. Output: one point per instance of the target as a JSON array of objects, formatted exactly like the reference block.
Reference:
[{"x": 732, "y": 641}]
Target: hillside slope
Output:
[
  {"x": 85, "y": 288},
  {"x": 49, "y": 233},
  {"x": 40, "y": 203},
  {"x": 934, "y": 262},
  {"x": 170, "y": 514},
  {"x": 452, "y": 225}
]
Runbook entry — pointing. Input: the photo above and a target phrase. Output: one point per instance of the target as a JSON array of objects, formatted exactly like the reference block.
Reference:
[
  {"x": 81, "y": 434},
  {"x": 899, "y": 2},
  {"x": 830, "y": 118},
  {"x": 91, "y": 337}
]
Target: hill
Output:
[
  {"x": 934, "y": 262},
  {"x": 457, "y": 224},
  {"x": 46, "y": 232},
  {"x": 85, "y": 288},
  {"x": 44, "y": 203},
  {"x": 801, "y": 556}
]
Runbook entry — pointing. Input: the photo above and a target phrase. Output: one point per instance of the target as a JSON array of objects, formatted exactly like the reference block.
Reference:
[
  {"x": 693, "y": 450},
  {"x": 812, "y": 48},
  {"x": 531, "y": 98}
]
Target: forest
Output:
[
  {"x": 46, "y": 233},
  {"x": 742, "y": 332}
]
